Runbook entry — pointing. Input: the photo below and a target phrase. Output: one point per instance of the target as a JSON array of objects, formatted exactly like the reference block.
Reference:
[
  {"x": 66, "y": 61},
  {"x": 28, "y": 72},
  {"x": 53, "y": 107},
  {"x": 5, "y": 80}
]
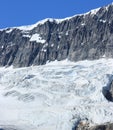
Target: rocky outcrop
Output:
[
  {"x": 108, "y": 91},
  {"x": 5, "y": 127},
  {"x": 111, "y": 90},
  {"x": 107, "y": 126},
  {"x": 85, "y": 126},
  {"x": 87, "y": 36}
]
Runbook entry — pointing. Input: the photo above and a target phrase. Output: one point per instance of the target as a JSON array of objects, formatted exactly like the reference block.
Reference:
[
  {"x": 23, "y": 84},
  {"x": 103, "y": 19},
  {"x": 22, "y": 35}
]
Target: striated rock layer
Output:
[{"x": 85, "y": 36}]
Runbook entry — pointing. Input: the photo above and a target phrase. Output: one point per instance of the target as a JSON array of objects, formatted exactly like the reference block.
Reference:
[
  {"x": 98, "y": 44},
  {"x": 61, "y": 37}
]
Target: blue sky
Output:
[{"x": 25, "y": 12}]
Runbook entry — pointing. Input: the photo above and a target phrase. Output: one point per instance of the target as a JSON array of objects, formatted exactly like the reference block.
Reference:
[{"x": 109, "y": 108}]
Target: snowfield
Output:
[{"x": 56, "y": 95}]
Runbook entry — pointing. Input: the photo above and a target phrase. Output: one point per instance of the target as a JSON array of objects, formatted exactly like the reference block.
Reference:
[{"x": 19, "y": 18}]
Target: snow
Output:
[
  {"x": 41, "y": 22},
  {"x": 67, "y": 33},
  {"x": 83, "y": 24},
  {"x": 37, "y": 38},
  {"x": 52, "y": 45},
  {"x": 103, "y": 21},
  {"x": 56, "y": 95},
  {"x": 9, "y": 31},
  {"x": 104, "y": 56},
  {"x": 82, "y": 43},
  {"x": 26, "y": 35},
  {"x": 44, "y": 50},
  {"x": 94, "y": 11},
  {"x": 59, "y": 36},
  {"x": 45, "y": 45},
  {"x": 57, "y": 21}
]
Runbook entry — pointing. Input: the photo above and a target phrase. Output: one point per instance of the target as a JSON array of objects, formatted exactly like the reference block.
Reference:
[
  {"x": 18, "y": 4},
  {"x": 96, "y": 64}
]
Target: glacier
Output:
[{"x": 56, "y": 95}]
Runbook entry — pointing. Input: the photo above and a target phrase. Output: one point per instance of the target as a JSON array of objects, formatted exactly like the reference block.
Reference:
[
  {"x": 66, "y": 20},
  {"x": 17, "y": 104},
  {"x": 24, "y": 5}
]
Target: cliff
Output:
[{"x": 85, "y": 36}]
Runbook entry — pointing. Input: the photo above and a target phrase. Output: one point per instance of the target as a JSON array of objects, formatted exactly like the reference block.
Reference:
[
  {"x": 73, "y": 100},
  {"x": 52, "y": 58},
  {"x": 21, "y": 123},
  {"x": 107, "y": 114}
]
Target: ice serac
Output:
[
  {"x": 56, "y": 96},
  {"x": 85, "y": 36}
]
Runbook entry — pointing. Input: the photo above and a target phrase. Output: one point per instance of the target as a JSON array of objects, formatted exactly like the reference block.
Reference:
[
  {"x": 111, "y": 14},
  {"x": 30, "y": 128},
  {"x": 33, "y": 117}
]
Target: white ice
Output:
[{"x": 54, "y": 96}]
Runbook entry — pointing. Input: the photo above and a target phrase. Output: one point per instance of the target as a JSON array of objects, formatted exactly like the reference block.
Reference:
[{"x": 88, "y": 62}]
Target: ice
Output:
[{"x": 56, "y": 95}]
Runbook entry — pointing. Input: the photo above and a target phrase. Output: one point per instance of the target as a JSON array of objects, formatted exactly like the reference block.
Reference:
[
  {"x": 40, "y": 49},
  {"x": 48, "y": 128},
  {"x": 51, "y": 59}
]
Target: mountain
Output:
[{"x": 85, "y": 36}]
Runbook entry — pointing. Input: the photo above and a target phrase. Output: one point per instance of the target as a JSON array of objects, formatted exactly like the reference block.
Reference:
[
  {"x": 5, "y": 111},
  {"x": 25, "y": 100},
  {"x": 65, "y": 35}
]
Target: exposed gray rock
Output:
[
  {"x": 109, "y": 92},
  {"x": 107, "y": 126},
  {"x": 8, "y": 128},
  {"x": 87, "y": 36},
  {"x": 85, "y": 126}
]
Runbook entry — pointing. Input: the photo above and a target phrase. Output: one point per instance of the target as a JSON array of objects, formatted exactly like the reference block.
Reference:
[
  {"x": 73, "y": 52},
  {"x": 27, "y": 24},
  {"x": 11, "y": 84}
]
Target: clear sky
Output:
[{"x": 25, "y": 12}]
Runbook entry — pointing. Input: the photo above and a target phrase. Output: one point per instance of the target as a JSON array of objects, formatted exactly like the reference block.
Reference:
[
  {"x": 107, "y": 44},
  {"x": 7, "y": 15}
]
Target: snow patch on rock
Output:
[{"x": 37, "y": 38}]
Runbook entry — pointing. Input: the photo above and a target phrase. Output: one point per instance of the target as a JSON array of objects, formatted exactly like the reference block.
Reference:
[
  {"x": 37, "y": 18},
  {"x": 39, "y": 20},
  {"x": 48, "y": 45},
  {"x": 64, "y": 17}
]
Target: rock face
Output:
[
  {"x": 108, "y": 91},
  {"x": 87, "y": 36},
  {"x": 103, "y": 127},
  {"x": 107, "y": 126},
  {"x": 111, "y": 90}
]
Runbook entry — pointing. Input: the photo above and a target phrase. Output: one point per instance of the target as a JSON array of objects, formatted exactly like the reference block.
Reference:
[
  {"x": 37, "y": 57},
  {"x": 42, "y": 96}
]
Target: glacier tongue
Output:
[{"x": 56, "y": 95}]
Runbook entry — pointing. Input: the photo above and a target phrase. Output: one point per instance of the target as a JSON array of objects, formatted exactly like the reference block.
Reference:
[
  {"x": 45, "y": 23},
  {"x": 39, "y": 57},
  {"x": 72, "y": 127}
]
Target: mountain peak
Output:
[{"x": 58, "y": 21}]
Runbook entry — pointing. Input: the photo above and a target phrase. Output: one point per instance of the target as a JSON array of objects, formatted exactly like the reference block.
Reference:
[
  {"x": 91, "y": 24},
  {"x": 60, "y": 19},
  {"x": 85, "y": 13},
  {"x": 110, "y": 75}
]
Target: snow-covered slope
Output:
[{"x": 56, "y": 95}]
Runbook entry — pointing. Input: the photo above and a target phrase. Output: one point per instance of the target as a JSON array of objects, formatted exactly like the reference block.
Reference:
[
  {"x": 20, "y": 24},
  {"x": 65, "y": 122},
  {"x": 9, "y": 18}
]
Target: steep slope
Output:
[{"x": 85, "y": 36}]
